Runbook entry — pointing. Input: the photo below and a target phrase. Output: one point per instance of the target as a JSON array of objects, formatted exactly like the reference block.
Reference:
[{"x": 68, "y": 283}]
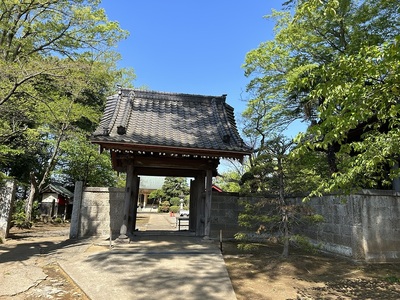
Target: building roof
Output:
[
  {"x": 199, "y": 124},
  {"x": 151, "y": 182},
  {"x": 58, "y": 189}
]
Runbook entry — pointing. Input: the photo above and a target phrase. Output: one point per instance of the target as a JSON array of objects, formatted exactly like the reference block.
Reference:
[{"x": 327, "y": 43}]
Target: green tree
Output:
[
  {"x": 81, "y": 161},
  {"x": 33, "y": 32},
  {"x": 174, "y": 188},
  {"x": 228, "y": 181},
  {"x": 56, "y": 69},
  {"x": 276, "y": 179},
  {"x": 157, "y": 195},
  {"x": 333, "y": 64},
  {"x": 229, "y": 178}
]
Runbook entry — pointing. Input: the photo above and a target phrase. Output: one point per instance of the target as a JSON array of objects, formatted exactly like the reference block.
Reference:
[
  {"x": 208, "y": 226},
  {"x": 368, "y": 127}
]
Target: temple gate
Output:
[{"x": 169, "y": 134}]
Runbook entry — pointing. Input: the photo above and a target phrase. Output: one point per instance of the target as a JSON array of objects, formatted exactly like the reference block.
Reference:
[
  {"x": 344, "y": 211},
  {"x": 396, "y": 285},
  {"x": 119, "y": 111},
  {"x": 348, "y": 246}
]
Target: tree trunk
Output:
[
  {"x": 53, "y": 158},
  {"x": 31, "y": 197},
  {"x": 285, "y": 220},
  {"x": 35, "y": 188}
]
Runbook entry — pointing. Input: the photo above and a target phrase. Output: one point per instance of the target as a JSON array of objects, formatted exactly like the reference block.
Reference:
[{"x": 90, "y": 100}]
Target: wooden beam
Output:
[
  {"x": 167, "y": 172},
  {"x": 121, "y": 146},
  {"x": 175, "y": 162}
]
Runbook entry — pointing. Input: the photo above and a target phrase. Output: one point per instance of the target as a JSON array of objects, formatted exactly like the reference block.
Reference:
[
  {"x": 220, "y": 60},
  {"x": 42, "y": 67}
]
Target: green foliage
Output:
[
  {"x": 157, "y": 194},
  {"x": 175, "y": 201},
  {"x": 272, "y": 170},
  {"x": 56, "y": 69},
  {"x": 164, "y": 206},
  {"x": 313, "y": 219},
  {"x": 81, "y": 161},
  {"x": 248, "y": 247},
  {"x": 174, "y": 188},
  {"x": 304, "y": 243},
  {"x": 392, "y": 279},
  {"x": 268, "y": 218},
  {"x": 254, "y": 215},
  {"x": 333, "y": 64},
  {"x": 58, "y": 220},
  {"x": 19, "y": 220},
  {"x": 228, "y": 181},
  {"x": 174, "y": 208}
]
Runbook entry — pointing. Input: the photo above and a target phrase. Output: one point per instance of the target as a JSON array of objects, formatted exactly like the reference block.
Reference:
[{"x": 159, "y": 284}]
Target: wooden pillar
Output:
[
  {"x": 200, "y": 221},
  {"x": 134, "y": 204},
  {"x": 127, "y": 201},
  {"x": 207, "y": 204},
  {"x": 192, "y": 206}
]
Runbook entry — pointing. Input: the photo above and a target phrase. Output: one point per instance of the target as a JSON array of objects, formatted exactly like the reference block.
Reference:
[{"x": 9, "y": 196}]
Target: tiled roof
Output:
[
  {"x": 55, "y": 188},
  {"x": 169, "y": 120}
]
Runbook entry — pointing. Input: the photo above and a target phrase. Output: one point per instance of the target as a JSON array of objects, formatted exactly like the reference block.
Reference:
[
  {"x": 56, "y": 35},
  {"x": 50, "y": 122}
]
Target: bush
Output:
[
  {"x": 58, "y": 220},
  {"x": 19, "y": 220},
  {"x": 174, "y": 209},
  {"x": 304, "y": 243},
  {"x": 164, "y": 207}
]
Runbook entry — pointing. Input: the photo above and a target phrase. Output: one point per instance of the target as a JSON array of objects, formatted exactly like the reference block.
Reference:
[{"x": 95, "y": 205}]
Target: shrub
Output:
[
  {"x": 58, "y": 220},
  {"x": 174, "y": 209},
  {"x": 19, "y": 220},
  {"x": 304, "y": 243},
  {"x": 164, "y": 207}
]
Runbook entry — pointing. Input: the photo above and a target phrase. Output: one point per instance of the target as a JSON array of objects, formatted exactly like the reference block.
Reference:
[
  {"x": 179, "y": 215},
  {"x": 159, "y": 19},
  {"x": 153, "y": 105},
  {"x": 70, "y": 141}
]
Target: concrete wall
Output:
[
  {"x": 98, "y": 204},
  {"x": 7, "y": 196},
  {"x": 363, "y": 226},
  {"x": 225, "y": 210}
]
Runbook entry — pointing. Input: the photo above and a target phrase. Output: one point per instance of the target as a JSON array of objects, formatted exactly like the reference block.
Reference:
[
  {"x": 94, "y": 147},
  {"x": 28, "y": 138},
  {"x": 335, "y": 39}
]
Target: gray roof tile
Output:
[{"x": 170, "y": 120}]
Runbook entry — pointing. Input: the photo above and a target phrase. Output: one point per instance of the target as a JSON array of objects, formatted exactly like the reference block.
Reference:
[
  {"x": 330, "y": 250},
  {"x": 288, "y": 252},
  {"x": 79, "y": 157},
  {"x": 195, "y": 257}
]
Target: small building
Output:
[
  {"x": 56, "y": 201},
  {"x": 147, "y": 185}
]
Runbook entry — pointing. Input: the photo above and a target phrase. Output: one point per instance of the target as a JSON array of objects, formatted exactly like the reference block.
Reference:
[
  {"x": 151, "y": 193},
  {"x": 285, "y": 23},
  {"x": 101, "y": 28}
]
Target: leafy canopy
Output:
[
  {"x": 56, "y": 69},
  {"x": 333, "y": 64}
]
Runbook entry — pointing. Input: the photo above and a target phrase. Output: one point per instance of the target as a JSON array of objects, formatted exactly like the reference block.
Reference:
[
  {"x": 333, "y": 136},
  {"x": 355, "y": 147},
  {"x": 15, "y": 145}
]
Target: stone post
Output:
[
  {"x": 76, "y": 211},
  {"x": 7, "y": 196}
]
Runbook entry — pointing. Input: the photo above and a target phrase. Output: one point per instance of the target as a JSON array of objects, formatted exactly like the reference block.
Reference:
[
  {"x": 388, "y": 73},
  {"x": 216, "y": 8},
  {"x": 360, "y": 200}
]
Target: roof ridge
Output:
[{"x": 127, "y": 90}]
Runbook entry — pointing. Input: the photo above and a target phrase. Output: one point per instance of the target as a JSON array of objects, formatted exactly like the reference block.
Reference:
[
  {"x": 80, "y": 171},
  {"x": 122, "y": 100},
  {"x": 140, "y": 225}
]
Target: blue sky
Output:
[{"x": 192, "y": 46}]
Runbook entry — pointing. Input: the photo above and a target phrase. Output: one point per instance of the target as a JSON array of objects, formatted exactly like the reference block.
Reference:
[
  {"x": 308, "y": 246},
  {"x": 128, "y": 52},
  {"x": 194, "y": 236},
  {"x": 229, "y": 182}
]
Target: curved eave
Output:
[{"x": 140, "y": 148}]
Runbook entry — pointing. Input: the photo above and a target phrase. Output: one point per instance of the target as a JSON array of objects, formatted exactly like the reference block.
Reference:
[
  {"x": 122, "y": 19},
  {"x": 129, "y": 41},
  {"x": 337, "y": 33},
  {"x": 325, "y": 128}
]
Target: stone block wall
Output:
[
  {"x": 362, "y": 226},
  {"x": 224, "y": 215},
  {"x": 98, "y": 204}
]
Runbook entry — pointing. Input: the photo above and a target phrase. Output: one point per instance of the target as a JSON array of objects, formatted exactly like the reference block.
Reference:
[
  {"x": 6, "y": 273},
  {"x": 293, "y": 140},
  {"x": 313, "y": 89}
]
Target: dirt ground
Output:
[{"x": 262, "y": 274}]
